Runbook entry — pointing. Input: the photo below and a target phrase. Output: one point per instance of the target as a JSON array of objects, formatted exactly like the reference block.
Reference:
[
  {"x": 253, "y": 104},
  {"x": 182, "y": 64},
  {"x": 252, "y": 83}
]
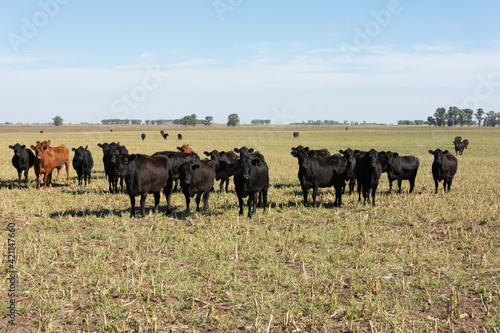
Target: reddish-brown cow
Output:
[
  {"x": 49, "y": 158},
  {"x": 186, "y": 149}
]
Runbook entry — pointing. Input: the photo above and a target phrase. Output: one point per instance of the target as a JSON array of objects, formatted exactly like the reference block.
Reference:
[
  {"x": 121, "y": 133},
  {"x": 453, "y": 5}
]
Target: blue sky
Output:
[{"x": 288, "y": 61}]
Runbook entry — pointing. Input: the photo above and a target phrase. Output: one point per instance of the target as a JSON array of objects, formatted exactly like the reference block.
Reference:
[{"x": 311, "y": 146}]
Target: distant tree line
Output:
[
  {"x": 460, "y": 117},
  {"x": 189, "y": 120},
  {"x": 411, "y": 122},
  {"x": 261, "y": 122}
]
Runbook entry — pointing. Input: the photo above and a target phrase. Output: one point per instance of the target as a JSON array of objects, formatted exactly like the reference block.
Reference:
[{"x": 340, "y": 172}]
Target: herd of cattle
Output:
[{"x": 159, "y": 172}]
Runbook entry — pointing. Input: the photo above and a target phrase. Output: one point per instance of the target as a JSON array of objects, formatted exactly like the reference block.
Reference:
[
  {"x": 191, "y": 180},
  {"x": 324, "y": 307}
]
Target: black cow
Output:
[
  {"x": 317, "y": 152},
  {"x": 458, "y": 139},
  {"x": 401, "y": 168},
  {"x": 22, "y": 160},
  {"x": 351, "y": 156},
  {"x": 368, "y": 170},
  {"x": 165, "y": 136},
  {"x": 110, "y": 151},
  {"x": 227, "y": 166},
  {"x": 143, "y": 136},
  {"x": 179, "y": 136},
  {"x": 317, "y": 171},
  {"x": 251, "y": 179},
  {"x": 83, "y": 164},
  {"x": 197, "y": 177},
  {"x": 295, "y": 134},
  {"x": 176, "y": 159},
  {"x": 249, "y": 152},
  {"x": 161, "y": 132},
  {"x": 145, "y": 174},
  {"x": 459, "y": 147},
  {"x": 444, "y": 168},
  {"x": 466, "y": 143}
]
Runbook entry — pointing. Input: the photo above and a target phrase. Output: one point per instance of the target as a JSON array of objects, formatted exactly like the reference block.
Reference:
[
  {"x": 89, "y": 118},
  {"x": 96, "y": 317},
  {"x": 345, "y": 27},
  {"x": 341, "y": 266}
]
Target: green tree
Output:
[
  {"x": 209, "y": 120},
  {"x": 468, "y": 113},
  {"x": 431, "y": 121},
  {"x": 479, "y": 116},
  {"x": 233, "y": 119},
  {"x": 58, "y": 121},
  {"x": 440, "y": 115}
]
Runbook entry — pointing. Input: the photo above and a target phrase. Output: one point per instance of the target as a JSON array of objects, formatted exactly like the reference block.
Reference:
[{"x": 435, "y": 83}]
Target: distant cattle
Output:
[
  {"x": 251, "y": 180},
  {"x": 317, "y": 171},
  {"x": 41, "y": 131},
  {"x": 347, "y": 128},
  {"x": 466, "y": 143},
  {"x": 458, "y": 139},
  {"x": 49, "y": 158},
  {"x": 145, "y": 174},
  {"x": 459, "y": 147},
  {"x": 179, "y": 136},
  {"x": 444, "y": 168},
  {"x": 109, "y": 153},
  {"x": 295, "y": 134},
  {"x": 401, "y": 168},
  {"x": 83, "y": 164},
  {"x": 111, "y": 130},
  {"x": 165, "y": 136},
  {"x": 197, "y": 178},
  {"x": 22, "y": 160},
  {"x": 185, "y": 148},
  {"x": 368, "y": 170},
  {"x": 161, "y": 132},
  {"x": 143, "y": 136},
  {"x": 227, "y": 164}
]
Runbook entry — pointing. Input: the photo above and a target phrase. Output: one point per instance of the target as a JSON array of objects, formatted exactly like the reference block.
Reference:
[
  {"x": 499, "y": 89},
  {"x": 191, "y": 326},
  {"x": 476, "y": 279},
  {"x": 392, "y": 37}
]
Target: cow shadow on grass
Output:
[{"x": 14, "y": 184}]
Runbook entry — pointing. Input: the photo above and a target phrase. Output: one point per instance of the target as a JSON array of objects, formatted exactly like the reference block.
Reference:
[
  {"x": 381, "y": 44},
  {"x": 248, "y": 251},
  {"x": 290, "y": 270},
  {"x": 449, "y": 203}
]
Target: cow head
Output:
[
  {"x": 389, "y": 158},
  {"x": 17, "y": 149},
  {"x": 122, "y": 163},
  {"x": 295, "y": 150},
  {"x": 243, "y": 151},
  {"x": 79, "y": 152},
  {"x": 39, "y": 148},
  {"x": 185, "y": 148},
  {"x": 438, "y": 155},
  {"x": 246, "y": 164},
  {"x": 187, "y": 172}
]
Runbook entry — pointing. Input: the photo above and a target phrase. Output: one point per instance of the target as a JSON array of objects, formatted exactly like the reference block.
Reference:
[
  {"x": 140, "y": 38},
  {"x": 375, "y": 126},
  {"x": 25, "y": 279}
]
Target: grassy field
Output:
[{"x": 417, "y": 262}]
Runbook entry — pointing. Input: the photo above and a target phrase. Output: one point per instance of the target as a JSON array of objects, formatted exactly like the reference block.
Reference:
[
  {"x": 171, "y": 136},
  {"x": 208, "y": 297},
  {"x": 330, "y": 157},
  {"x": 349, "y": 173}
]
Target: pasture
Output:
[{"x": 416, "y": 262}]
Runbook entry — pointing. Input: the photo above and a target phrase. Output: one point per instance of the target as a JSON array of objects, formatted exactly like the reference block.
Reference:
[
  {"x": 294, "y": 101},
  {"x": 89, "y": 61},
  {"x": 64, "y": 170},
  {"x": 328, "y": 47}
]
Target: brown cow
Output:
[
  {"x": 46, "y": 162},
  {"x": 186, "y": 149}
]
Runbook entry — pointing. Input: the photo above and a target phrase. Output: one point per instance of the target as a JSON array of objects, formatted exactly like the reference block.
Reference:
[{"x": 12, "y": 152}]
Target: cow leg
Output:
[
  {"x": 25, "y": 176},
  {"x": 359, "y": 192},
  {"x": 38, "y": 181},
  {"x": 188, "y": 201},
  {"x": 436, "y": 183},
  {"x": 143, "y": 203},
  {"x": 314, "y": 195},
  {"x": 49, "y": 179},
  {"x": 240, "y": 201},
  {"x": 338, "y": 195},
  {"x": 198, "y": 197},
  {"x": 205, "y": 201},
  {"x": 252, "y": 197},
  {"x": 58, "y": 174},
  {"x": 67, "y": 170},
  {"x": 132, "y": 205},
  {"x": 412, "y": 183},
  {"x": 167, "y": 190},
  {"x": 449, "y": 184},
  {"x": 121, "y": 185},
  {"x": 264, "y": 198},
  {"x": 19, "y": 176},
  {"x": 304, "y": 191},
  {"x": 157, "y": 200},
  {"x": 374, "y": 189},
  {"x": 399, "y": 185},
  {"x": 227, "y": 184}
]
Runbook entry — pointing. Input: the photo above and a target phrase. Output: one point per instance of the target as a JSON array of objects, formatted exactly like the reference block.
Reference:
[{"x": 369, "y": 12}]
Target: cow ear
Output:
[
  {"x": 250, "y": 150},
  {"x": 236, "y": 150},
  {"x": 38, "y": 142},
  {"x": 431, "y": 152},
  {"x": 195, "y": 166},
  {"x": 381, "y": 154},
  {"x": 132, "y": 157},
  {"x": 24, "y": 146},
  {"x": 445, "y": 152},
  {"x": 206, "y": 153},
  {"x": 32, "y": 147},
  {"x": 255, "y": 162},
  {"x": 73, "y": 149},
  {"x": 306, "y": 148},
  {"x": 86, "y": 147},
  {"x": 310, "y": 153},
  {"x": 293, "y": 153},
  {"x": 222, "y": 153},
  {"x": 396, "y": 155},
  {"x": 11, "y": 147},
  {"x": 341, "y": 151},
  {"x": 48, "y": 142}
]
